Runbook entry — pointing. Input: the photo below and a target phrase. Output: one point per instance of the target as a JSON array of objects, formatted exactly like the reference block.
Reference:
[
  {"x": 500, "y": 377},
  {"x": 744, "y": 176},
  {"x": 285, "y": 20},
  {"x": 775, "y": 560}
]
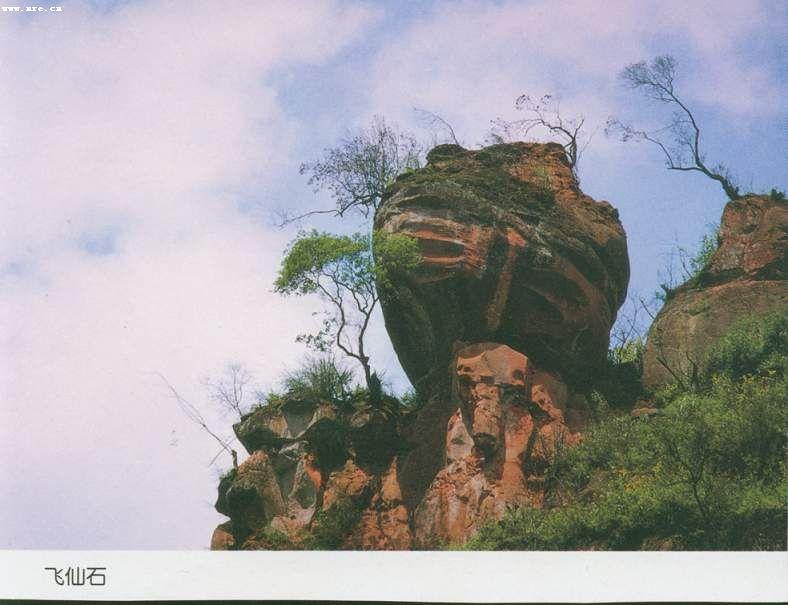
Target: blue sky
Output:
[{"x": 146, "y": 143}]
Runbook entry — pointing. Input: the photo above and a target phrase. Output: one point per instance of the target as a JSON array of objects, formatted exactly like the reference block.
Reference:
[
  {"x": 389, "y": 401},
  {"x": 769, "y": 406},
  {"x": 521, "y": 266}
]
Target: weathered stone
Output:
[
  {"x": 252, "y": 496},
  {"x": 274, "y": 426},
  {"x": 500, "y": 441},
  {"x": 513, "y": 253},
  {"x": 746, "y": 275},
  {"x": 222, "y": 538},
  {"x": 385, "y": 523},
  {"x": 350, "y": 481}
]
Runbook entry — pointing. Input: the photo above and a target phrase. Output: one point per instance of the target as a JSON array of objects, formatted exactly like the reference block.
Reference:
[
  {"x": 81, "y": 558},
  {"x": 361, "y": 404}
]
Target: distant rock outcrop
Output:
[
  {"x": 500, "y": 329},
  {"x": 745, "y": 276}
]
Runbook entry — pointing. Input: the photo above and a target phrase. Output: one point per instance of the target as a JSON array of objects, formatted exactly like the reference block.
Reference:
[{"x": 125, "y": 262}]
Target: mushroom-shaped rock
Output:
[{"x": 513, "y": 252}]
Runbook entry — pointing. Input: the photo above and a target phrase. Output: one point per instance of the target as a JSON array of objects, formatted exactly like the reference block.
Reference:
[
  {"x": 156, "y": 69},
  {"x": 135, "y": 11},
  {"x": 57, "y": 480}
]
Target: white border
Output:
[{"x": 397, "y": 576}]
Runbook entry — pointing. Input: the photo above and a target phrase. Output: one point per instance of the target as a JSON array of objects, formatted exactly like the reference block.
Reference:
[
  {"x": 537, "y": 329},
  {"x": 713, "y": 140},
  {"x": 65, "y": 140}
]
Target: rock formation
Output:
[
  {"x": 515, "y": 255},
  {"x": 499, "y": 329},
  {"x": 746, "y": 275}
]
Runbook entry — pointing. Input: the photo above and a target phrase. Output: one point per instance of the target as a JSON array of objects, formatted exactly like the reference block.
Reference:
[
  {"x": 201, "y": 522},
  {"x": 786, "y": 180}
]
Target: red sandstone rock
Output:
[
  {"x": 513, "y": 253},
  {"x": 385, "y": 523},
  {"x": 508, "y": 425},
  {"x": 746, "y": 275},
  {"x": 222, "y": 538}
]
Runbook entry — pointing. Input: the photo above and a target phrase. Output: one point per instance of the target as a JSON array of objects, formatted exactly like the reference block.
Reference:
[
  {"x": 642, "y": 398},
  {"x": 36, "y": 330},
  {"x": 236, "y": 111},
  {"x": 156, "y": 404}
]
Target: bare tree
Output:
[
  {"x": 229, "y": 392},
  {"x": 437, "y": 124},
  {"x": 679, "y": 140},
  {"x": 193, "y": 414},
  {"x": 544, "y": 114},
  {"x": 357, "y": 171}
]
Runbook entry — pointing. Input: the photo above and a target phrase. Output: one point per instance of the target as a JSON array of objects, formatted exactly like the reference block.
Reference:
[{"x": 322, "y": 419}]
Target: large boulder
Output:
[
  {"x": 513, "y": 253},
  {"x": 745, "y": 275}
]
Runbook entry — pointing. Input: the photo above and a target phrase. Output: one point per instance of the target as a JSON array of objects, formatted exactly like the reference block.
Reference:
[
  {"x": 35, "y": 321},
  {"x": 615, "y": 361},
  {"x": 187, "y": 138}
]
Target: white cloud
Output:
[
  {"x": 469, "y": 61},
  {"x": 122, "y": 254}
]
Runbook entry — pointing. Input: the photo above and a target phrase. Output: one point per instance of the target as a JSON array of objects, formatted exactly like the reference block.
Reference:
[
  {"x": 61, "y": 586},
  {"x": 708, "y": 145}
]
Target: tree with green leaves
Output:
[
  {"x": 345, "y": 271},
  {"x": 679, "y": 139}
]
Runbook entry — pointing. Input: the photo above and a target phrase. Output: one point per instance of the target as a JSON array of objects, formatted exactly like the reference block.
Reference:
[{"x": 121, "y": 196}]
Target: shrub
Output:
[
  {"x": 268, "y": 538},
  {"x": 320, "y": 379},
  {"x": 411, "y": 400},
  {"x": 331, "y": 526},
  {"x": 753, "y": 345}
]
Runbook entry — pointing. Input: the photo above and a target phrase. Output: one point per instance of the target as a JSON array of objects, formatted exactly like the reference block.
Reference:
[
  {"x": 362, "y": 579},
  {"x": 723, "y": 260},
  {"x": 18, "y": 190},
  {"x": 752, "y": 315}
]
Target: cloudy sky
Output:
[{"x": 145, "y": 144}]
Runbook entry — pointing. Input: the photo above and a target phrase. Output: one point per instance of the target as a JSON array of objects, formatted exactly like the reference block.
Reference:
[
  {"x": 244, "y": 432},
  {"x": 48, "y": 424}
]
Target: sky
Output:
[{"x": 146, "y": 146}]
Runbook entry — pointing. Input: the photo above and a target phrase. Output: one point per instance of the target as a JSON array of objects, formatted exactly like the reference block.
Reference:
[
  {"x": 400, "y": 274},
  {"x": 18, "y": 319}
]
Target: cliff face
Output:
[
  {"x": 746, "y": 275},
  {"x": 499, "y": 329}
]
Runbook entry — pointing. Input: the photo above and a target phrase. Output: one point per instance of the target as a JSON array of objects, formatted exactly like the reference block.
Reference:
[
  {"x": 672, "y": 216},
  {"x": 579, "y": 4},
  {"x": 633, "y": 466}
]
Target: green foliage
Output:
[
  {"x": 754, "y": 345},
  {"x": 708, "y": 472},
  {"x": 331, "y": 526},
  {"x": 320, "y": 379},
  {"x": 630, "y": 351},
  {"x": 315, "y": 257},
  {"x": 777, "y": 195},
  {"x": 687, "y": 267},
  {"x": 333, "y": 265},
  {"x": 268, "y": 538},
  {"x": 346, "y": 271},
  {"x": 411, "y": 400},
  {"x": 706, "y": 249},
  {"x": 619, "y": 384},
  {"x": 394, "y": 253}
]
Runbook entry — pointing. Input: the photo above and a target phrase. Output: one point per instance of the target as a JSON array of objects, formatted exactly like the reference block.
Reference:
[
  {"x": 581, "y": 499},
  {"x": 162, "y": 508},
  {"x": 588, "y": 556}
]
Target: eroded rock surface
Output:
[
  {"x": 514, "y": 253},
  {"x": 746, "y": 275},
  {"x": 510, "y": 423}
]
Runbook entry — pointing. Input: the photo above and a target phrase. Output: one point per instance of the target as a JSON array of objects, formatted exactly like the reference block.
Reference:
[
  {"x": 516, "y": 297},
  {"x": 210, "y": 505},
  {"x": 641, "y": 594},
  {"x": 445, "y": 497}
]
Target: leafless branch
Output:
[
  {"x": 682, "y": 150},
  {"x": 229, "y": 391},
  {"x": 193, "y": 414},
  {"x": 357, "y": 171},
  {"x": 437, "y": 124},
  {"x": 544, "y": 115}
]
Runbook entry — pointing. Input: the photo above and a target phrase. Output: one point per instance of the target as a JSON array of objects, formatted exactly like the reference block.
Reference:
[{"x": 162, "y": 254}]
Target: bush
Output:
[
  {"x": 320, "y": 379},
  {"x": 268, "y": 538},
  {"x": 753, "y": 345},
  {"x": 331, "y": 526}
]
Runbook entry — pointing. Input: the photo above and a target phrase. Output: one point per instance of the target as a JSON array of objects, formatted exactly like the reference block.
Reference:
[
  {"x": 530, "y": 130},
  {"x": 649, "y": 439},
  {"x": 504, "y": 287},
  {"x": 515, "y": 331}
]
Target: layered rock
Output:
[
  {"x": 745, "y": 275},
  {"x": 513, "y": 253},
  {"x": 499, "y": 329}
]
